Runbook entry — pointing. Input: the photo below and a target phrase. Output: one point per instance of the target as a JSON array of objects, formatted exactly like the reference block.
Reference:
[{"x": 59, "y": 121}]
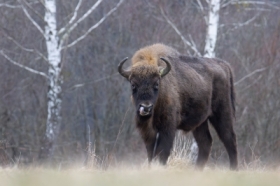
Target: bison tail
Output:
[{"x": 232, "y": 92}]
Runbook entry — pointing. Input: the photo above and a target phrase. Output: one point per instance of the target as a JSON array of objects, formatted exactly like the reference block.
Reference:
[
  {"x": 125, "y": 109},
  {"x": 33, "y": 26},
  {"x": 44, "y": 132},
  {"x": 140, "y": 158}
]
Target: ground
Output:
[{"x": 137, "y": 176}]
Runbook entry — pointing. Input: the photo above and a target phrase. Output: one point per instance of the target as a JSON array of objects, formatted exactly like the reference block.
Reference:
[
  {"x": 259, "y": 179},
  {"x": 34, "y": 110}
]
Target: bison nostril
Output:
[{"x": 145, "y": 109}]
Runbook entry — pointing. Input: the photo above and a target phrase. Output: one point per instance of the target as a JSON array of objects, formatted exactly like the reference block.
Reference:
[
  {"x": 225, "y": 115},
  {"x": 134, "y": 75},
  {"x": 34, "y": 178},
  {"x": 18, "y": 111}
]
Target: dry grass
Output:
[
  {"x": 178, "y": 172},
  {"x": 137, "y": 176}
]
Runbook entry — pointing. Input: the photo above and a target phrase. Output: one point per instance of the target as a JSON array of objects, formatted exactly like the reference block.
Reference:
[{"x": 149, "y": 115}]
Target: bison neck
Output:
[
  {"x": 145, "y": 126},
  {"x": 143, "y": 122}
]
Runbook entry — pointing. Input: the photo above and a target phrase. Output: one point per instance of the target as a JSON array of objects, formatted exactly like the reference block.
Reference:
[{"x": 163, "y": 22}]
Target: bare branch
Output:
[
  {"x": 258, "y": 9},
  {"x": 73, "y": 17},
  {"x": 80, "y": 20},
  {"x": 91, "y": 82},
  {"x": 9, "y": 6},
  {"x": 23, "y": 66},
  {"x": 32, "y": 20},
  {"x": 202, "y": 10},
  {"x": 93, "y": 27},
  {"x": 249, "y": 75},
  {"x": 223, "y": 5},
  {"x": 250, "y": 85},
  {"x": 232, "y": 2},
  {"x": 200, "y": 5},
  {"x": 27, "y": 49},
  {"x": 186, "y": 42},
  {"x": 239, "y": 25},
  {"x": 192, "y": 41},
  {"x": 75, "y": 12},
  {"x": 31, "y": 8}
]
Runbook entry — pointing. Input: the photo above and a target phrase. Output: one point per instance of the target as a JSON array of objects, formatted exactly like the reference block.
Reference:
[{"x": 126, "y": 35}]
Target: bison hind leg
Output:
[
  {"x": 223, "y": 126},
  {"x": 204, "y": 141}
]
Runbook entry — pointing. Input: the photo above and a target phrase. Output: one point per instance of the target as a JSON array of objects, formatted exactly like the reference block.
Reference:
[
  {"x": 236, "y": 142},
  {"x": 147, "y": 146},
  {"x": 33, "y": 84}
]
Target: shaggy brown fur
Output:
[{"x": 195, "y": 91}]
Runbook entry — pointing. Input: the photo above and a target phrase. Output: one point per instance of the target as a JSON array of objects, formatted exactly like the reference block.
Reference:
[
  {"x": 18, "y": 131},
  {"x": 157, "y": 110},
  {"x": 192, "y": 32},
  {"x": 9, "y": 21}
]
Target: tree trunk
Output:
[
  {"x": 54, "y": 81},
  {"x": 212, "y": 28}
]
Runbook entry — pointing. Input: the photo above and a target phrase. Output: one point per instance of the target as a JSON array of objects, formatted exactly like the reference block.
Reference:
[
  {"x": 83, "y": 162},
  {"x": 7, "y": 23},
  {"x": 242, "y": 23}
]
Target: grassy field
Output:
[{"x": 137, "y": 176}]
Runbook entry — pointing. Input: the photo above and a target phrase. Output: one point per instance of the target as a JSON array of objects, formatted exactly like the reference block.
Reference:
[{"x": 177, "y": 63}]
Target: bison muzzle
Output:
[{"x": 171, "y": 91}]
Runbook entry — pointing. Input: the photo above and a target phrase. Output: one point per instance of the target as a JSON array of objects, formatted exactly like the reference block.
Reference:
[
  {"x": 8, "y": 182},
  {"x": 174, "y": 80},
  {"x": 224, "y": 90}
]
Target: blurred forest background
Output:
[{"x": 96, "y": 112}]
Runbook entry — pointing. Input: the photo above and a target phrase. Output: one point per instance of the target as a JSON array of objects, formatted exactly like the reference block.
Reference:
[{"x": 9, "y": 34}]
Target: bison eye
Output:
[
  {"x": 156, "y": 86},
  {"x": 133, "y": 87}
]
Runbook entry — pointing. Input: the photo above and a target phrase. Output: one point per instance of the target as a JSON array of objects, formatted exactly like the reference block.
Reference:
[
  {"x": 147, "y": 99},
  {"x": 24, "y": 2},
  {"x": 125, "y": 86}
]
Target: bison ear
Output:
[
  {"x": 124, "y": 73},
  {"x": 166, "y": 70}
]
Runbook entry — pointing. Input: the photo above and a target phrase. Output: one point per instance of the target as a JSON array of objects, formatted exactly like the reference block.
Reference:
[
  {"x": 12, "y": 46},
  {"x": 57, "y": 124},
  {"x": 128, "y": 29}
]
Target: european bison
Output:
[{"x": 171, "y": 91}]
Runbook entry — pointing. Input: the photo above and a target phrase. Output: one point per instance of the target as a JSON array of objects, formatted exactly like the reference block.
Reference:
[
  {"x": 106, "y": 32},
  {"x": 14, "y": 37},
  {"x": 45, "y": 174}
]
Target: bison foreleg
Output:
[
  {"x": 150, "y": 142},
  {"x": 164, "y": 146}
]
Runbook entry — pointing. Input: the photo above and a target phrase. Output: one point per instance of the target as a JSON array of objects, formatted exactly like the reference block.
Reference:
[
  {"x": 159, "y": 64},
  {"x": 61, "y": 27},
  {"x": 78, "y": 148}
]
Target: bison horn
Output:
[
  {"x": 164, "y": 71},
  {"x": 124, "y": 73}
]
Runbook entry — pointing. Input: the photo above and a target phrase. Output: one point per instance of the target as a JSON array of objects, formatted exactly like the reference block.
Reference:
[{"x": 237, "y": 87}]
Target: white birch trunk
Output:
[
  {"x": 54, "y": 78},
  {"x": 54, "y": 45},
  {"x": 212, "y": 29}
]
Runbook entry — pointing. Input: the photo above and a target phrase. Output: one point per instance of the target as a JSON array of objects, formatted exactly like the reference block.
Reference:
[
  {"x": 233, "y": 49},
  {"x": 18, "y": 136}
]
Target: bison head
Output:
[{"x": 145, "y": 82}]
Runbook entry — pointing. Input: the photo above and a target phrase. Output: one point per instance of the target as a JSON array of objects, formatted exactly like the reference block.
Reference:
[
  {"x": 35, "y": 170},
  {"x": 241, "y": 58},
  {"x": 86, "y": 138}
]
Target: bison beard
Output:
[{"x": 171, "y": 91}]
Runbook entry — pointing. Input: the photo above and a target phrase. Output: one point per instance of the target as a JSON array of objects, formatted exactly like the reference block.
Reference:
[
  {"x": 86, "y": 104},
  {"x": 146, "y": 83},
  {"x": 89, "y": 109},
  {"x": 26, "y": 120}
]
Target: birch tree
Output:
[
  {"x": 55, "y": 43},
  {"x": 212, "y": 28}
]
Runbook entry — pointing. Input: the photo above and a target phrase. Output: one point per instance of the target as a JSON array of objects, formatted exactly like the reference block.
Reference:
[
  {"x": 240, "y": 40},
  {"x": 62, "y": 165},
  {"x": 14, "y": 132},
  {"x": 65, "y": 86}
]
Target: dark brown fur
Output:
[{"x": 195, "y": 91}]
